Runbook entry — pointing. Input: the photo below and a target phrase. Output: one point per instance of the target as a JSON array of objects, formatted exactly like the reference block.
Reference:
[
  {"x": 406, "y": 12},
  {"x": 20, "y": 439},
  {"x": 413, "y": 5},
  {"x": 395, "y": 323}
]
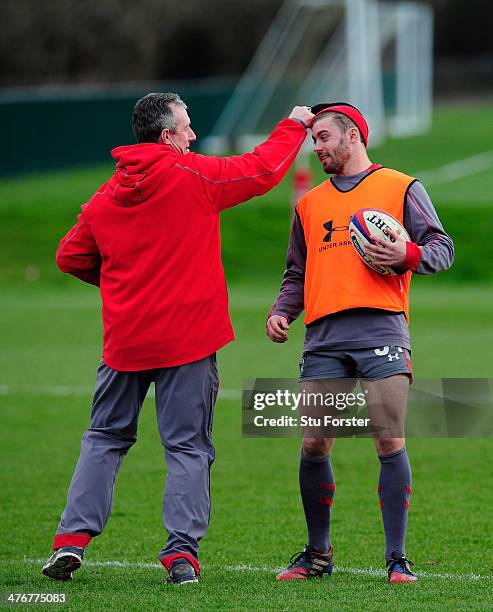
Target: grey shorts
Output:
[{"x": 370, "y": 363}]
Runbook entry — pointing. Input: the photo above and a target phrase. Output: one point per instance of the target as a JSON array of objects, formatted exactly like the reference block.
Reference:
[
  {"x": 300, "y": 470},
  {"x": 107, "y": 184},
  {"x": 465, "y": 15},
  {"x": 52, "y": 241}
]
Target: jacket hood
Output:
[{"x": 140, "y": 169}]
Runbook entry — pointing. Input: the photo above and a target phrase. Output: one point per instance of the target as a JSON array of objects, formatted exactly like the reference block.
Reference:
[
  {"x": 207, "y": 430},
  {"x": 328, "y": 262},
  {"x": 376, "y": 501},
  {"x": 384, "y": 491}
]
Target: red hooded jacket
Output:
[{"x": 150, "y": 239}]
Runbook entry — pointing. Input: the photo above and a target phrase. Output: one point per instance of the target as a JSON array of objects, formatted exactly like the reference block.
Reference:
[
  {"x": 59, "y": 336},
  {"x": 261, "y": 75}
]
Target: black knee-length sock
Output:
[
  {"x": 317, "y": 493},
  {"x": 394, "y": 489}
]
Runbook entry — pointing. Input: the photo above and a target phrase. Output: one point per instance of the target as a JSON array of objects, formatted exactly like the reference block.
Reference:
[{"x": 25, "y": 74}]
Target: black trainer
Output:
[
  {"x": 308, "y": 564},
  {"x": 63, "y": 562},
  {"x": 398, "y": 568},
  {"x": 182, "y": 572}
]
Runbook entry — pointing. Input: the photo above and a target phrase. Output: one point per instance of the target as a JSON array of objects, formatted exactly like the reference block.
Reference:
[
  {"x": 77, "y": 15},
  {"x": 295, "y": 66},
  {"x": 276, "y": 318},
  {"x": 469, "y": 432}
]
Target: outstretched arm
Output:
[{"x": 228, "y": 181}]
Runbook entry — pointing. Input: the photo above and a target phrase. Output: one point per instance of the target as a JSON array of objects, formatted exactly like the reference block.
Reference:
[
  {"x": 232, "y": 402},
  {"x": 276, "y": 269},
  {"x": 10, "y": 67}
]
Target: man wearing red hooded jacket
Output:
[{"x": 149, "y": 238}]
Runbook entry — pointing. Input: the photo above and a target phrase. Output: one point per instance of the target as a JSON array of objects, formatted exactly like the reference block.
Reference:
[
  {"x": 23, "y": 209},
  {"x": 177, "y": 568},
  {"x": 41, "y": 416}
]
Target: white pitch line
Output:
[
  {"x": 457, "y": 169},
  {"x": 67, "y": 391},
  {"x": 371, "y": 571}
]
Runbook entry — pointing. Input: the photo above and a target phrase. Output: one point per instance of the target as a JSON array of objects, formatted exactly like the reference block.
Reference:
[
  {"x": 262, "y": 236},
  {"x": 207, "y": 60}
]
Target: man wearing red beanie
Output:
[
  {"x": 149, "y": 238},
  {"x": 356, "y": 322}
]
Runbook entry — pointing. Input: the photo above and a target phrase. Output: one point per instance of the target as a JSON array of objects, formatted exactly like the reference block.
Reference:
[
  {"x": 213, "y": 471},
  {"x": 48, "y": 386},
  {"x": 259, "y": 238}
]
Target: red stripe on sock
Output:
[
  {"x": 168, "y": 560},
  {"x": 71, "y": 539},
  {"x": 408, "y": 490},
  {"x": 379, "y": 488},
  {"x": 381, "y": 503},
  {"x": 327, "y": 487},
  {"x": 326, "y": 501},
  {"x": 406, "y": 505}
]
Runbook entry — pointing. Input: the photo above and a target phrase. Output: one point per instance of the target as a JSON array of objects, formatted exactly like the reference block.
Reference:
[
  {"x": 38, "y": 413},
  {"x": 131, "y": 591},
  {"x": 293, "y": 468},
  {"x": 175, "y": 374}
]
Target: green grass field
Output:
[{"x": 50, "y": 332}]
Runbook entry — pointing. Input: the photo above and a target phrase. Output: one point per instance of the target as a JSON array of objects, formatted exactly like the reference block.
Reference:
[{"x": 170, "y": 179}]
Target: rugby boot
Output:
[
  {"x": 398, "y": 568},
  {"x": 308, "y": 564}
]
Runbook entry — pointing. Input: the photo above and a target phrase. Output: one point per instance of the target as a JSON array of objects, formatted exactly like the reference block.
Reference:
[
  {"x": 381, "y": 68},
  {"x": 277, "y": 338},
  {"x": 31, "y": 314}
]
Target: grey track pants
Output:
[{"x": 185, "y": 397}]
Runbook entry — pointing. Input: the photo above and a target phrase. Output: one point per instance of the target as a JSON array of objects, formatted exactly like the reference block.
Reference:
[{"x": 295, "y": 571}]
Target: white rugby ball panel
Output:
[{"x": 369, "y": 223}]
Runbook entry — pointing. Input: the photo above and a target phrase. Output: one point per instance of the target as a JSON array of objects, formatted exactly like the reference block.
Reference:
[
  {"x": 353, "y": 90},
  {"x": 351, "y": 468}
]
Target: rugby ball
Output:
[{"x": 369, "y": 223}]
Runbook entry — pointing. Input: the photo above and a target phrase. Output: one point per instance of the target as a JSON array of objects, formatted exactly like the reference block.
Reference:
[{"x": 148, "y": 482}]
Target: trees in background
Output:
[{"x": 71, "y": 41}]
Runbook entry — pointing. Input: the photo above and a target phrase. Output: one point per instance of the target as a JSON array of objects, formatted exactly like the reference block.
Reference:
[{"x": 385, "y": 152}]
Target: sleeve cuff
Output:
[
  {"x": 300, "y": 121},
  {"x": 277, "y": 313},
  {"x": 412, "y": 258}
]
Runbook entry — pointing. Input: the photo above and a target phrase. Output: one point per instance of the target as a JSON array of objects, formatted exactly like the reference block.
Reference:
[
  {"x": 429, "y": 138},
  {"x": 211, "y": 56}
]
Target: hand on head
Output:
[{"x": 302, "y": 113}]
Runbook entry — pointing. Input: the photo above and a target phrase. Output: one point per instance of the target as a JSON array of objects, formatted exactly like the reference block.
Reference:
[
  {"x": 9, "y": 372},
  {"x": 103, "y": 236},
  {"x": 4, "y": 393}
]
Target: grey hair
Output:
[
  {"x": 342, "y": 122},
  {"x": 152, "y": 114}
]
